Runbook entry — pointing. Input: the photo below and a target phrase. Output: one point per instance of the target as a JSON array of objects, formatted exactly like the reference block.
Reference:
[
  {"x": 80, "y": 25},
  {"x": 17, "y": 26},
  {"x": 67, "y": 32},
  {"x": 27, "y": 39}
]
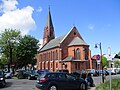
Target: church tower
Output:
[{"x": 48, "y": 30}]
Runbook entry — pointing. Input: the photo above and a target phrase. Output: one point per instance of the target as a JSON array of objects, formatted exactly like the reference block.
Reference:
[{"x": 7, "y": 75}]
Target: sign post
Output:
[
  {"x": 110, "y": 63},
  {"x": 98, "y": 65}
]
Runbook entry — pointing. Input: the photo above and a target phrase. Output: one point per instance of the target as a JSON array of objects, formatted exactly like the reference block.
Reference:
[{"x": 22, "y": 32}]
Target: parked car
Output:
[
  {"x": 8, "y": 75},
  {"x": 104, "y": 72},
  {"x": 2, "y": 79},
  {"x": 16, "y": 73},
  {"x": 93, "y": 72},
  {"x": 21, "y": 74},
  {"x": 90, "y": 80},
  {"x": 31, "y": 74},
  {"x": 113, "y": 72},
  {"x": 63, "y": 70},
  {"x": 42, "y": 71},
  {"x": 60, "y": 81},
  {"x": 118, "y": 70}
]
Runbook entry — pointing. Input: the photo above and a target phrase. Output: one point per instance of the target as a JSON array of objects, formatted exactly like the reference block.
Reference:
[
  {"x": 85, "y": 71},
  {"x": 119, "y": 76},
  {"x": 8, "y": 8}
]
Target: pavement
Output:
[{"x": 92, "y": 88}]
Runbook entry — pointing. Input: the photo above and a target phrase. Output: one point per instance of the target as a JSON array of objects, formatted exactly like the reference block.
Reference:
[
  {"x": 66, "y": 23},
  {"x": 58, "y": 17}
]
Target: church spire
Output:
[
  {"x": 48, "y": 30},
  {"x": 49, "y": 19}
]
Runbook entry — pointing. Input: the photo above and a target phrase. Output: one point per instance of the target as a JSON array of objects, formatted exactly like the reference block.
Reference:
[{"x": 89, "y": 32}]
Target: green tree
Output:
[
  {"x": 26, "y": 51},
  {"x": 117, "y": 63},
  {"x": 6, "y": 42},
  {"x": 3, "y": 61},
  {"x": 104, "y": 61}
]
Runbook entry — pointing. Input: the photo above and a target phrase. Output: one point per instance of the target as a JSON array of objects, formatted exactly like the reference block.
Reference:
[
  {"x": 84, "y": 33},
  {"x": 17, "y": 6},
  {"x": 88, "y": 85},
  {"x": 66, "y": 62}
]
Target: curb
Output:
[{"x": 92, "y": 88}]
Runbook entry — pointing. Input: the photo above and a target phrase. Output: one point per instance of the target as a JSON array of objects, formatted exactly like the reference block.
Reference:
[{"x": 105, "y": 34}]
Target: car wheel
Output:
[
  {"x": 82, "y": 86},
  {"x": 52, "y": 87}
]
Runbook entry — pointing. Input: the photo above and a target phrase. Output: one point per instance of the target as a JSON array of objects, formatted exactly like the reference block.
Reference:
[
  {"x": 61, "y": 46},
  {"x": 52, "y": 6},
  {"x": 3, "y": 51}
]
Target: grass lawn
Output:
[{"x": 106, "y": 85}]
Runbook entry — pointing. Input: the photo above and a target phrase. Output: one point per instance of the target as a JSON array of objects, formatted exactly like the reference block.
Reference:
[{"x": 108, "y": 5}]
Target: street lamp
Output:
[{"x": 96, "y": 46}]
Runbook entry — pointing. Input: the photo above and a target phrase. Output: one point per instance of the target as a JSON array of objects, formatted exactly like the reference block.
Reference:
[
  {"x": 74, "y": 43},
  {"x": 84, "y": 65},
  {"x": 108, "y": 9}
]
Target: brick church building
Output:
[{"x": 68, "y": 51}]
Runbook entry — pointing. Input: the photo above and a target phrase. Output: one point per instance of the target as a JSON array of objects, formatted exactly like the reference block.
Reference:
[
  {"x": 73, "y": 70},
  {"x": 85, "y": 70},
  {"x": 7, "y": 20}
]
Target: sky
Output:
[{"x": 98, "y": 21}]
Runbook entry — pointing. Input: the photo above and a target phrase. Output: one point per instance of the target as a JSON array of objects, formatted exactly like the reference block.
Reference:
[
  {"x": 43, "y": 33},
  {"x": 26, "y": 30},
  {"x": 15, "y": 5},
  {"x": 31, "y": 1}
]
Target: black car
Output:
[
  {"x": 31, "y": 74},
  {"x": 21, "y": 74},
  {"x": 63, "y": 70},
  {"x": 2, "y": 79},
  {"x": 42, "y": 71},
  {"x": 60, "y": 81}
]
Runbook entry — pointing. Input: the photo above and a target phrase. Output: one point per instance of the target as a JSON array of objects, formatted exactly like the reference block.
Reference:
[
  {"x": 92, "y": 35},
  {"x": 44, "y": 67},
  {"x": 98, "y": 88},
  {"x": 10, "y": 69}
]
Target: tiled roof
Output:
[
  {"x": 77, "y": 41},
  {"x": 53, "y": 43},
  {"x": 69, "y": 58}
]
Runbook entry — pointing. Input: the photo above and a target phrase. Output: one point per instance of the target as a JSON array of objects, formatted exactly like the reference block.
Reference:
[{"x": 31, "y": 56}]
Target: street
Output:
[
  {"x": 25, "y": 84},
  {"x": 20, "y": 84}
]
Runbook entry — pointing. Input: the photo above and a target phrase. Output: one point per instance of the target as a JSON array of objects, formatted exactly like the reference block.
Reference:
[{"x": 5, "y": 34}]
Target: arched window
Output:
[
  {"x": 77, "y": 54},
  {"x": 56, "y": 55},
  {"x": 47, "y": 56},
  {"x": 86, "y": 54},
  {"x": 40, "y": 57},
  {"x": 51, "y": 56}
]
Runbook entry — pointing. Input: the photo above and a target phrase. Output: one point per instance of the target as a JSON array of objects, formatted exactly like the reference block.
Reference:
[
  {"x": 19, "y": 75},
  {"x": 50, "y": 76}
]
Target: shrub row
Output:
[{"x": 106, "y": 85}]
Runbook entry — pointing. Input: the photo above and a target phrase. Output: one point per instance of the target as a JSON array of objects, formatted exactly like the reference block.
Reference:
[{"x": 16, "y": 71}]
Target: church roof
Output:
[
  {"x": 77, "y": 41},
  {"x": 69, "y": 58},
  {"x": 53, "y": 43},
  {"x": 49, "y": 19},
  {"x": 57, "y": 41}
]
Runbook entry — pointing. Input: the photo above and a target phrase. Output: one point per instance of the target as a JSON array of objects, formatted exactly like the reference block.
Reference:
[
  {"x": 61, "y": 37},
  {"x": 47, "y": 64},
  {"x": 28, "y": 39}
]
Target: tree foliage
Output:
[
  {"x": 104, "y": 61},
  {"x": 26, "y": 50},
  {"x": 6, "y": 41},
  {"x": 23, "y": 48},
  {"x": 119, "y": 53},
  {"x": 117, "y": 63}
]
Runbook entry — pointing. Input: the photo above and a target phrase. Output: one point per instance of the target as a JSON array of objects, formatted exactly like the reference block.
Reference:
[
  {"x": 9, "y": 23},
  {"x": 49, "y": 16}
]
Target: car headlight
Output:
[
  {"x": 32, "y": 75},
  {"x": 1, "y": 78}
]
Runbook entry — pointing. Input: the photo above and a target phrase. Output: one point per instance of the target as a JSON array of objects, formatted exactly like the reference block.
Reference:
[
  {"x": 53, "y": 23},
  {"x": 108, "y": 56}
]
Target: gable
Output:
[{"x": 71, "y": 34}]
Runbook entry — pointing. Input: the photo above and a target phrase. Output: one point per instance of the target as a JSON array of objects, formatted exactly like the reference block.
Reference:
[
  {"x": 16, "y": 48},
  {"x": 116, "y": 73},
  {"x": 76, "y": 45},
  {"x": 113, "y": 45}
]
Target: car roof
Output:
[{"x": 55, "y": 72}]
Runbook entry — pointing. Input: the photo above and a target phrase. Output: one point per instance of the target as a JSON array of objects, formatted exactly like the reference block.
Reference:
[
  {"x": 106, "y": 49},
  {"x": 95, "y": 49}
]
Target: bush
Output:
[{"x": 106, "y": 85}]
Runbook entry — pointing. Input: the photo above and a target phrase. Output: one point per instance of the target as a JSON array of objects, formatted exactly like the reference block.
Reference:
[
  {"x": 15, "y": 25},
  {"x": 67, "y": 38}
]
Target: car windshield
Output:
[
  {"x": 32, "y": 71},
  {"x": 42, "y": 75}
]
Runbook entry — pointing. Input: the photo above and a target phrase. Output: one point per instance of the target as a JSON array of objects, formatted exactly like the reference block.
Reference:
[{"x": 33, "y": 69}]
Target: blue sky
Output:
[{"x": 96, "y": 20}]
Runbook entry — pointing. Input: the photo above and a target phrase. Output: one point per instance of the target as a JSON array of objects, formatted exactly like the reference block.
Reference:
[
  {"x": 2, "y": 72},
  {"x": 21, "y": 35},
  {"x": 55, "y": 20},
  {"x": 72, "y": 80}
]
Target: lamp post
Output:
[{"x": 96, "y": 46}]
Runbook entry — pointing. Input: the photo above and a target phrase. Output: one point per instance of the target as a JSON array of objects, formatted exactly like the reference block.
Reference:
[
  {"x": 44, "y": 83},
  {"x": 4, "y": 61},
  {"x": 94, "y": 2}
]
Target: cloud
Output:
[
  {"x": 91, "y": 27},
  {"x": 39, "y": 9},
  {"x": 15, "y": 18}
]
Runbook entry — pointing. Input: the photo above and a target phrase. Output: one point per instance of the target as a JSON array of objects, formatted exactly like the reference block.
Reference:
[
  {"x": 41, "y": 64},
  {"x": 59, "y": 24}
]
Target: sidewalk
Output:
[{"x": 92, "y": 88}]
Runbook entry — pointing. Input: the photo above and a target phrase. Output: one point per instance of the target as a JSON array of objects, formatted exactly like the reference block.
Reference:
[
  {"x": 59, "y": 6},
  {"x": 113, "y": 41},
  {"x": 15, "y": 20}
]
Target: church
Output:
[{"x": 66, "y": 52}]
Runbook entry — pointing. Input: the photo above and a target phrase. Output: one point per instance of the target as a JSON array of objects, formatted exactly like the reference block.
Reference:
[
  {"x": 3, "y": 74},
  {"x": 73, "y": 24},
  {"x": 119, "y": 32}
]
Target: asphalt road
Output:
[
  {"x": 25, "y": 84},
  {"x": 20, "y": 84}
]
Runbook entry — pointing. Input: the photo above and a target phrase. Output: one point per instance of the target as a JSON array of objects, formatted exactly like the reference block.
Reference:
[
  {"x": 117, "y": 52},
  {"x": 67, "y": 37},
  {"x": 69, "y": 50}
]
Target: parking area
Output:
[
  {"x": 26, "y": 84},
  {"x": 20, "y": 84}
]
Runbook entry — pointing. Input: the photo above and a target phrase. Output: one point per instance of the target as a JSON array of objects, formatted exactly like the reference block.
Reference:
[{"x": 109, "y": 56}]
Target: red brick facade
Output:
[{"x": 67, "y": 52}]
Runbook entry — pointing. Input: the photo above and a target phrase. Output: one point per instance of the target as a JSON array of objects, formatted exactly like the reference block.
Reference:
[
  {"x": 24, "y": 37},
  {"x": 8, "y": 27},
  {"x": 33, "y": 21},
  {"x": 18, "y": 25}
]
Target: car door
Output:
[
  {"x": 72, "y": 82},
  {"x": 62, "y": 81}
]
